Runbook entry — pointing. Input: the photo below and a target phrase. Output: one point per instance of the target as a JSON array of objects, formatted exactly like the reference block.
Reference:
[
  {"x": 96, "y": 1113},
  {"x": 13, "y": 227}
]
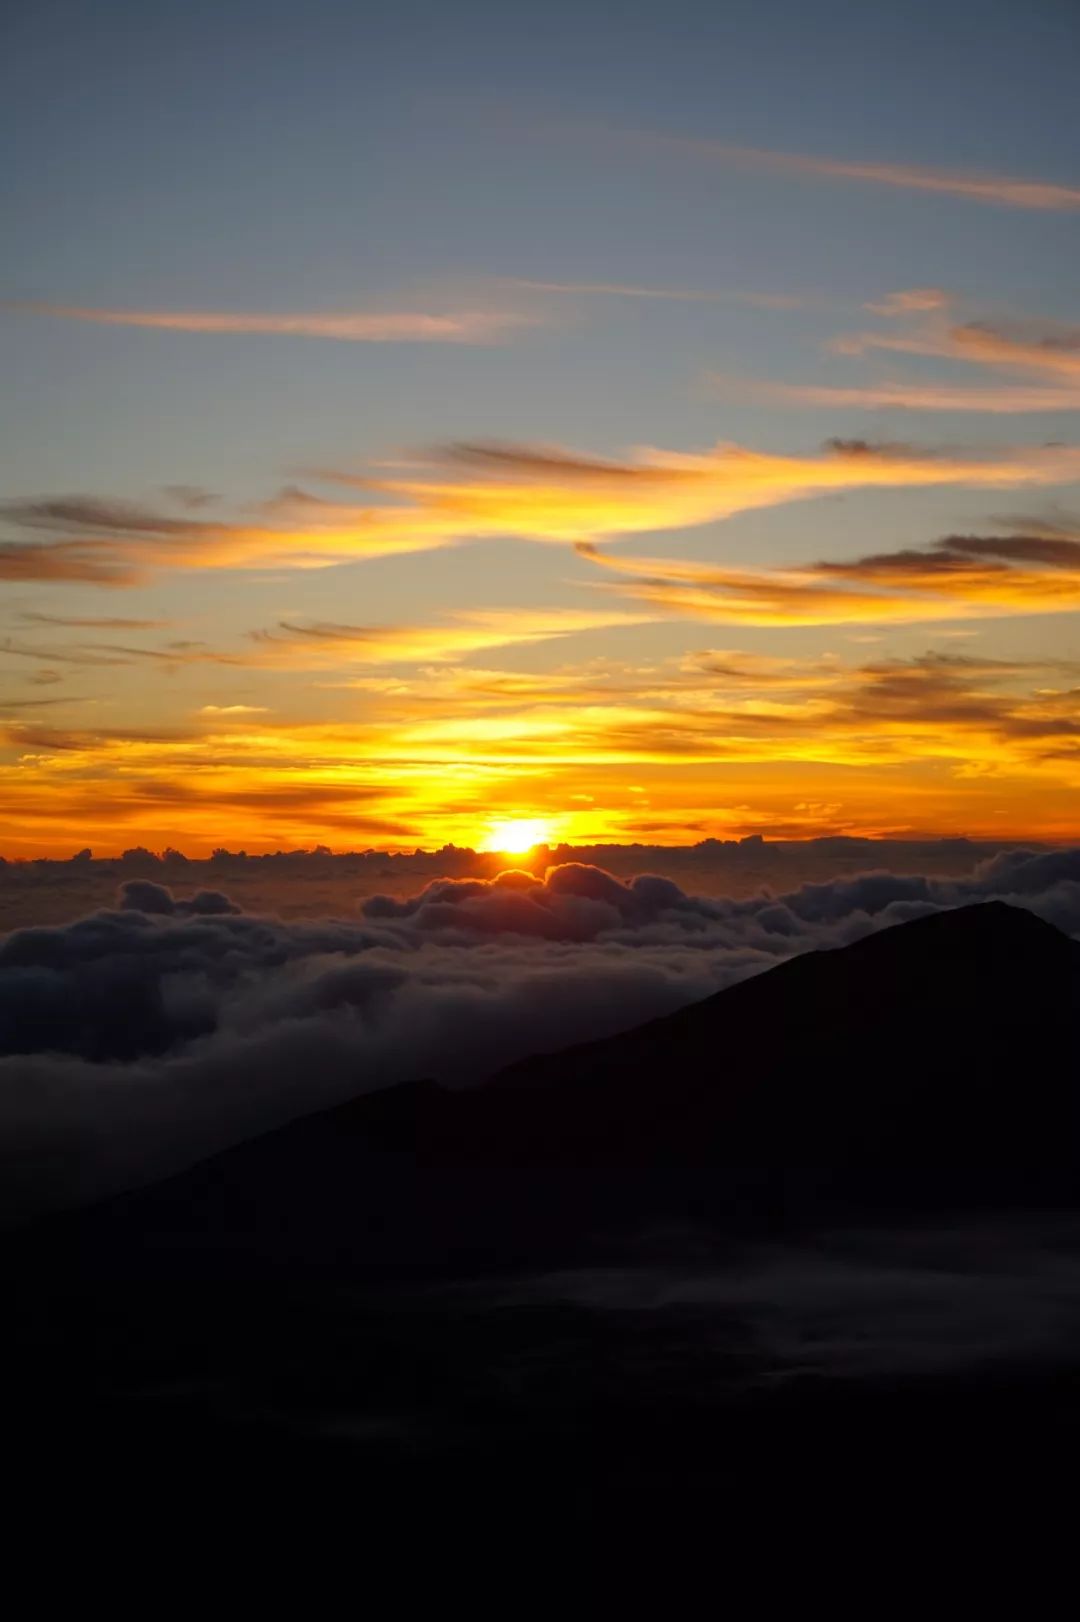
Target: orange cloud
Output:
[
  {"x": 487, "y": 491},
  {"x": 1047, "y": 352},
  {"x": 1001, "y": 190},
  {"x": 1002, "y": 400},
  {"x": 1042, "y": 349},
  {"x": 318, "y": 644},
  {"x": 960, "y": 578},
  {"x": 645, "y": 750},
  {"x": 352, "y": 326},
  {"x": 92, "y": 562},
  {"x": 555, "y": 495}
]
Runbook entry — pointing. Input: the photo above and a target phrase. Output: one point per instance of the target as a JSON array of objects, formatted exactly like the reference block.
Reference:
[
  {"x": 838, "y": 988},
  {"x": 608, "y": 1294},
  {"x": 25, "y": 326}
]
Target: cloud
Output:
[
  {"x": 89, "y": 561},
  {"x": 484, "y": 490},
  {"x": 958, "y": 577},
  {"x": 319, "y": 644},
  {"x": 140, "y": 1037},
  {"x": 36, "y": 703},
  {"x": 190, "y": 495},
  {"x": 1043, "y": 349},
  {"x": 1000, "y": 190},
  {"x": 550, "y": 494},
  {"x": 233, "y": 709},
  {"x": 736, "y": 739},
  {"x": 677, "y": 295},
  {"x": 115, "y": 654},
  {"x": 1047, "y": 352},
  {"x": 68, "y": 656},
  {"x": 1003, "y": 400},
  {"x": 477, "y": 326},
  {"x": 909, "y": 301},
  {"x": 298, "y": 644},
  {"x": 1060, "y": 549},
  {"x": 93, "y": 621}
]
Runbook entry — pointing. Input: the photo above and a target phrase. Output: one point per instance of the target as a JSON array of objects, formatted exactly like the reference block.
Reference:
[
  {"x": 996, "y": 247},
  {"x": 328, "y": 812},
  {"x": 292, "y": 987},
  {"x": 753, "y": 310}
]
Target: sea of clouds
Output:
[{"x": 140, "y": 1037}]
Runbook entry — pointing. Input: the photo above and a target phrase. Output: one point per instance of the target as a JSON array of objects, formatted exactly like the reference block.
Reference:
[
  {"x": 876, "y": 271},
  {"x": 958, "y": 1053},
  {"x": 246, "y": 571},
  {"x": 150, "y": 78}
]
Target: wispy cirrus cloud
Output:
[
  {"x": 233, "y": 709},
  {"x": 67, "y": 655},
  {"x": 471, "y": 326},
  {"x": 493, "y": 491},
  {"x": 316, "y": 644},
  {"x": 1048, "y": 352},
  {"x": 38, "y": 703},
  {"x": 1003, "y": 400},
  {"x": 1006, "y": 191},
  {"x": 116, "y": 654},
  {"x": 1041, "y": 349},
  {"x": 98, "y": 622},
  {"x": 910, "y": 301},
  {"x": 960, "y": 577},
  {"x": 94, "y": 563},
  {"x": 675, "y": 295},
  {"x": 551, "y": 494},
  {"x": 322, "y": 645}
]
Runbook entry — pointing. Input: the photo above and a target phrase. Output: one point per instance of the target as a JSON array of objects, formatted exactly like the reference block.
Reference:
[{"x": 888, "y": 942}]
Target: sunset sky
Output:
[{"x": 640, "y": 423}]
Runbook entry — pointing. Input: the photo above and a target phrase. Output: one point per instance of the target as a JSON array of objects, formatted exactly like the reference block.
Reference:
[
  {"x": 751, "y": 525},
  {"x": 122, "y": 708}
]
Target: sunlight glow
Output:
[{"x": 517, "y": 837}]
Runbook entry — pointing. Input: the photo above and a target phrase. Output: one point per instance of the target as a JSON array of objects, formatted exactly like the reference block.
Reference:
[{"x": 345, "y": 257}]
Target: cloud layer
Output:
[{"x": 138, "y": 1038}]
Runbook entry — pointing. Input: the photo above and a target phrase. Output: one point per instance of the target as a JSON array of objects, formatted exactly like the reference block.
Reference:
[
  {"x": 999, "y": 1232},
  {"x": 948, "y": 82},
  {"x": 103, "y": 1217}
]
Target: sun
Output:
[{"x": 516, "y": 836}]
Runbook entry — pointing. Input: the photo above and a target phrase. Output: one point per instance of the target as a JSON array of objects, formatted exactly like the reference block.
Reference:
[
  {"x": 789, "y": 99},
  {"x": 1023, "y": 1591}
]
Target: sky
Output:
[{"x": 475, "y": 423}]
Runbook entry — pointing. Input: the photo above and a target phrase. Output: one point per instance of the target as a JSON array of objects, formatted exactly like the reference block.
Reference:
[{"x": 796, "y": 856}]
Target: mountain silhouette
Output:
[
  {"x": 358, "y": 1316},
  {"x": 927, "y": 1064}
]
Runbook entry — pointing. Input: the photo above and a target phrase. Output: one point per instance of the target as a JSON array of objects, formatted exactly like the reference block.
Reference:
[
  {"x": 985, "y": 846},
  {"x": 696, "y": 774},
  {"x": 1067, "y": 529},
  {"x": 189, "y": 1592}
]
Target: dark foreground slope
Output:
[{"x": 598, "y": 1300}]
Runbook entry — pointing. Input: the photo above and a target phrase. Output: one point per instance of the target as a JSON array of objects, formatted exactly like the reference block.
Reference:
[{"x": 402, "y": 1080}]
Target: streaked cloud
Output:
[
  {"x": 472, "y": 631},
  {"x": 90, "y": 562},
  {"x": 1006, "y": 191},
  {"x": 38, "y": 703},
  {"x": 486, "y": 490},
  {"x": 476, "y": 326},
  {"x": 677, "y": 295},
  {"x": 910, "y": 301},
  {"x": 233, "y": 709},
  {"x": 551, "y": 494},
  {"x": 66, "y": 655},
  {"x": 1048, "y": 352},
  {"x": 92, "y": 621},
  {"x": 1042, "y": 349},
  {"x": 1002, "y": 400},
  {"x": 961, "y": 577}
]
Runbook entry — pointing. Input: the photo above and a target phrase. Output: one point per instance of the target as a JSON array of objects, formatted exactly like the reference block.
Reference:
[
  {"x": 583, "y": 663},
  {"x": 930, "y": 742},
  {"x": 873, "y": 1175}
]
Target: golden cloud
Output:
[
  {"x": 485, "y": 491},
  {"x": 961, "y": 577},
  {"x": 658, "y": 734}
]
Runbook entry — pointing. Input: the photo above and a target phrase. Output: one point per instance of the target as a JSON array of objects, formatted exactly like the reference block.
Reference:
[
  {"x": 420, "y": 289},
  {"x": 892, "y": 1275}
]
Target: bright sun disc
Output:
[{"x": 519, "y": 836}]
